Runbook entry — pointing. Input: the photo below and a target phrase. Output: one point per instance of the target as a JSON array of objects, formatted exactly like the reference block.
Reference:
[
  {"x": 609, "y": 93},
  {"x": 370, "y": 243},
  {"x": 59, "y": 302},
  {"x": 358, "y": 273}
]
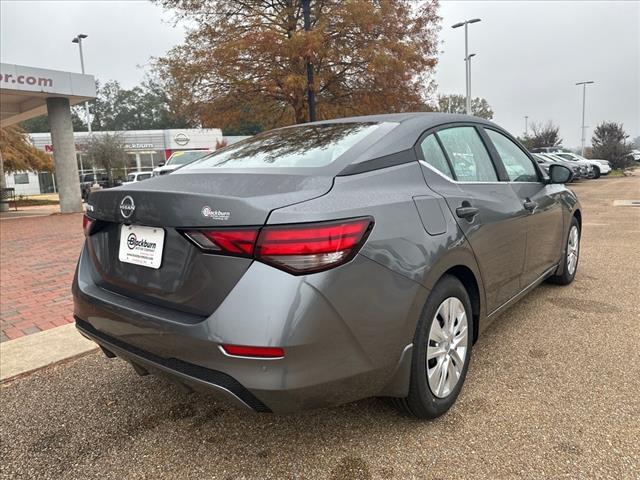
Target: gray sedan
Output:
[{"x": 327, "y": 262}]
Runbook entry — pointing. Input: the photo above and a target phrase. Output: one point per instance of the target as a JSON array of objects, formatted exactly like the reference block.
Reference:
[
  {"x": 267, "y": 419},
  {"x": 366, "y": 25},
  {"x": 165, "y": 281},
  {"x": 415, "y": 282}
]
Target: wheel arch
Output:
[
  {"x": 578, "y": 214},
  {"x": 468, "y": 279}
]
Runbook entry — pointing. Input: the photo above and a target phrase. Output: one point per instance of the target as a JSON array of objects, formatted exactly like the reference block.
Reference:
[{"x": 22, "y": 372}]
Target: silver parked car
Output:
[{"x": 327, "y": 262}]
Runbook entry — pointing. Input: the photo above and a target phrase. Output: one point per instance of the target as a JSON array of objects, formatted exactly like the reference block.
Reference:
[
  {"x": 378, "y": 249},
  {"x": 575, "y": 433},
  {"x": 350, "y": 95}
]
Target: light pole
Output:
[
  {"x": 584, "y": 96},
  {"x": 466, "y": 58},
  {"x": 78, "y": 39},
  {"x": 469, "y": 95},
  {"x": 526, "y": 126}
]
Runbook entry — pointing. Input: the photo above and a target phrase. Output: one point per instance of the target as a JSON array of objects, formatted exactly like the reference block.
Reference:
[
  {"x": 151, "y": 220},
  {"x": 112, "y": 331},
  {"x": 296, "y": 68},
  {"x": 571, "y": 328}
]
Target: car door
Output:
[
  {"x": 541, "y": 200},
  {"x": 457, "y": 165}
]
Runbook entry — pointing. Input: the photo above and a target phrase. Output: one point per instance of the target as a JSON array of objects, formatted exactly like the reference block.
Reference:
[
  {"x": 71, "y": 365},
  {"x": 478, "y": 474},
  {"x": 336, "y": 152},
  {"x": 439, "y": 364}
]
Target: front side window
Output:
[
  {"x": 302, "y": 146},
  {"x": 518, "y": 165},
  {"x": 433, "y": 155},
  {"x": 468, "y": 156}
]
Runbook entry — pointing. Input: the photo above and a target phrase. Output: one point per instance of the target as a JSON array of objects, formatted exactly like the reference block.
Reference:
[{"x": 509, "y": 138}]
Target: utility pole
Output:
[
  {"x": 467, "y": 60},
  {"x": 311, "y": 96},
  {"x": 526, "y": 126},
  {"x": 584, "y": 96}
]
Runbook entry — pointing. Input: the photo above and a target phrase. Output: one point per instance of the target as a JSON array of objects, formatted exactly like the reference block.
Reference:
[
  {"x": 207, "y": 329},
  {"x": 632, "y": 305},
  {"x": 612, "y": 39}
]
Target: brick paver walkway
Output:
[{"x": 37, "y": 261}]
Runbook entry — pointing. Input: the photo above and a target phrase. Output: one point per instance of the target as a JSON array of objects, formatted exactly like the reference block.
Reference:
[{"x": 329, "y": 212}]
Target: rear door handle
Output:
[
  {"x": 467, "y": 212},
  {"x": 529, "y": 205}
]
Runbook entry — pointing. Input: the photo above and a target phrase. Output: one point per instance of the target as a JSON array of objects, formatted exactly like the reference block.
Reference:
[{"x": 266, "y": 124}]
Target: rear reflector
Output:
[
  {"x": 297, "y": 248},
  {"x": 258, "y": 352},
  {"x": 234, "y": 242},
  {"x": 87, "y": 222}
]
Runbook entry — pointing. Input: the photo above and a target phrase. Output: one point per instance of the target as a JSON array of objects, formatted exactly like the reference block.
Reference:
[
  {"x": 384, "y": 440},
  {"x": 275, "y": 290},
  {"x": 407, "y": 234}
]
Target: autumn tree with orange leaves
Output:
[
  {"x": 244, "y": 61},
  {"x": 19, "y": 155}
]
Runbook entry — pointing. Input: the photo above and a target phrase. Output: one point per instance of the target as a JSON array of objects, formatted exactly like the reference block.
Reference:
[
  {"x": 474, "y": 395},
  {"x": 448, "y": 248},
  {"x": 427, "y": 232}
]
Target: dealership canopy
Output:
[
  {"x": 24, "y": 91},
  {"x": 27, "y": 92}
]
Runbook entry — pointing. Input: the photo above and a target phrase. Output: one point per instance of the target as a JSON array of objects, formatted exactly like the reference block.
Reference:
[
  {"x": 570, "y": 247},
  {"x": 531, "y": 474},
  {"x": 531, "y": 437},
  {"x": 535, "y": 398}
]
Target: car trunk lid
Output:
[{"x": 187, "y": 279}]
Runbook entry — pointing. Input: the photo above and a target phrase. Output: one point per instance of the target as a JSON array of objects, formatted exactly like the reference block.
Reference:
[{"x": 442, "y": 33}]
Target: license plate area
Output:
[{"x": 141, "y": 245}]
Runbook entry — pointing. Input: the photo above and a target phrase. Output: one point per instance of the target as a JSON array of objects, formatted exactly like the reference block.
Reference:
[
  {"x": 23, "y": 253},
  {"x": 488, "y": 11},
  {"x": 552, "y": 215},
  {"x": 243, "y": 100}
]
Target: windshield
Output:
[
  {"x": 180, "y": 158},
  {"x": 303, "y": 146},
  {"x": 567, "y": 156}
]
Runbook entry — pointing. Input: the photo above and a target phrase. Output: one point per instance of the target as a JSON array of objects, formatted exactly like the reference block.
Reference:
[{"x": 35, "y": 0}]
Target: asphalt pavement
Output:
[{"x": 552, "y": 392}]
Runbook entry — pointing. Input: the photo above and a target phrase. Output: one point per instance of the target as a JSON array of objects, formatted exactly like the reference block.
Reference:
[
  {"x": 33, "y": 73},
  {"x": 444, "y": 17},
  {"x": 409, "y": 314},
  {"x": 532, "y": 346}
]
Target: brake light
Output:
[
  {"x": 306, "y": 248},
  {"x": 296, "y": 248},
  {"x": 87, "y": 223},
  {"x": 248, "y": 351}
]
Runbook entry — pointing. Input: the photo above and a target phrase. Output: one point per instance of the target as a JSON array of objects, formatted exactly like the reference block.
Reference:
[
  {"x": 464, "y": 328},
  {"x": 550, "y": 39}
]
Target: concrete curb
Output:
[{"x": 33, "y": 352}]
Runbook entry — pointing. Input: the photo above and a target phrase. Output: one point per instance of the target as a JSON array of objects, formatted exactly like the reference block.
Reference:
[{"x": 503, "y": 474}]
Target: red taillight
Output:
[
  {"x": 87, "y": 222},
  {"x": 297, "y": 248},
  {"x": 258, "y": 352},
  {"x": 306, "y": 248},
  {"x": 231, "y": 241}
]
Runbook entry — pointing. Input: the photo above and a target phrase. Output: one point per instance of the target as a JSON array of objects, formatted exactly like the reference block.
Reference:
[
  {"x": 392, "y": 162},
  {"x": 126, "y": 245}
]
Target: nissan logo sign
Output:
[
  {"x": 127, "y": 206},
  {"x": 181, "y": 139}
]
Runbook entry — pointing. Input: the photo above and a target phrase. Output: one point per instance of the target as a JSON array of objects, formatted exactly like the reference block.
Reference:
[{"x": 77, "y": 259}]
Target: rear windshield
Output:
[
  {"x": 303, "y": 146},
  {"x": 180, "y": 158}
]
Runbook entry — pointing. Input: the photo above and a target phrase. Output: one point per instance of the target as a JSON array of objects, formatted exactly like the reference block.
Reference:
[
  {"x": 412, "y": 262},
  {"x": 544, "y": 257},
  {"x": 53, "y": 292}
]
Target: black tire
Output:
[
  {"x": 596, "y": 172},
  {"x": 566, "y": 277},
  {"x": 421, "y": 401}
]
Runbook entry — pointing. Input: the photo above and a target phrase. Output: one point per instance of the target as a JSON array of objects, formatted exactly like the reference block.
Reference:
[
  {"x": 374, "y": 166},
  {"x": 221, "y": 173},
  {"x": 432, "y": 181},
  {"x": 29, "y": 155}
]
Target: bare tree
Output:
[
  {"x": 543, "y": 135},
  {"x": 107, "y": 152},
  {"x": 456, "y": 103}
]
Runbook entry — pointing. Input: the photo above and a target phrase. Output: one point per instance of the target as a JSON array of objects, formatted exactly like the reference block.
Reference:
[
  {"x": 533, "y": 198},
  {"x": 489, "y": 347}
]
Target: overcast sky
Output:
[{"x": 529, "y": 54}]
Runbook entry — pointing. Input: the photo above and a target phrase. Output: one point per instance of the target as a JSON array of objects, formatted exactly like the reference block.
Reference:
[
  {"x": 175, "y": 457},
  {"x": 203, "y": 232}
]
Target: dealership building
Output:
[{"x": 145, "y": 149}]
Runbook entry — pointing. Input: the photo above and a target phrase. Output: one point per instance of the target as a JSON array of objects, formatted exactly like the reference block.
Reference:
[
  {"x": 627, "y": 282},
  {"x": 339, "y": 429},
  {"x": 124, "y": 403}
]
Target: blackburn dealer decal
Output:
[{"x": 141, "y": 245}]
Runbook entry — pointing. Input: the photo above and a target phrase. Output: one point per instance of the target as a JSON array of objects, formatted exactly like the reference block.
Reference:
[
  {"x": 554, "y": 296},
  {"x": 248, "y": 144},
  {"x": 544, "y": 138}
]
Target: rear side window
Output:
[
  {"x": 518, "y": 165},
  {"x": 468, "y": 156},
  {"x": 302, "y": 146},
  {"x": 433, "y": 155}
]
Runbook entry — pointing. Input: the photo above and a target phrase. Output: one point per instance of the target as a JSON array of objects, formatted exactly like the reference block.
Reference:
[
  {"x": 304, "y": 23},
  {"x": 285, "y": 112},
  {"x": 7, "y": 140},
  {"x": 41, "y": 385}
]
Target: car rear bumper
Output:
[
  {"x": 341, "y": 342},
  {"x": 186, "y": 374}
]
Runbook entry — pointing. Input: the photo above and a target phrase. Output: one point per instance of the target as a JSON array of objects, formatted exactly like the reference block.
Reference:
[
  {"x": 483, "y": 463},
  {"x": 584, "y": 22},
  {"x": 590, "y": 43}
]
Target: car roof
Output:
[
  {"x": 422, "y": 118},
  {"x": 404, "y": 136}
]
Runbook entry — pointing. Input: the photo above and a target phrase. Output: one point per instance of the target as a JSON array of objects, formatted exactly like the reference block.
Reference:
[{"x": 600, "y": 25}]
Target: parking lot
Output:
[{"x": 552, "y": 392}]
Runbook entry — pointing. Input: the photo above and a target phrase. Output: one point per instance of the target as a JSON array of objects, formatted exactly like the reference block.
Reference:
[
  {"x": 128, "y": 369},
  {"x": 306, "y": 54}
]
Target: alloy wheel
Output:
[
  {"x": 573, "y": 249},
  {"x": 447, "y": 347}
]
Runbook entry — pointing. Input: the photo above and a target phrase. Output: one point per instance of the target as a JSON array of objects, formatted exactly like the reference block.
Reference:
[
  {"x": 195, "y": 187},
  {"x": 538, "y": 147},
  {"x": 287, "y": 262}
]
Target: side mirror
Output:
[
  {"x": 161, "y": 164},
  {"x": 559, "y": 174}
]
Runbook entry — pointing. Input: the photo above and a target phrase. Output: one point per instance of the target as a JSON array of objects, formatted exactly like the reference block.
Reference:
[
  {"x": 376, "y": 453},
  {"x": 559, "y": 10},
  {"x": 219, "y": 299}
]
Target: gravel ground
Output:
[{"x": 552, "y": 393}]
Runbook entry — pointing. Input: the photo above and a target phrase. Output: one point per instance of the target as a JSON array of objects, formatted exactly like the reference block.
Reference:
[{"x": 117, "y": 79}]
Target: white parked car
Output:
[
  {"x": 137, "y": 177},
  {"x": 178, "y": 159},
  {"x": 600, "y": 167}
]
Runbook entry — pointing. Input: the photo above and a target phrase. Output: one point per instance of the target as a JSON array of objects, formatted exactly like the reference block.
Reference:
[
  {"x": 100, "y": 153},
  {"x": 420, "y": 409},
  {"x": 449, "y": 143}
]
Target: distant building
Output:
[{"x": 146, "y": 149}]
